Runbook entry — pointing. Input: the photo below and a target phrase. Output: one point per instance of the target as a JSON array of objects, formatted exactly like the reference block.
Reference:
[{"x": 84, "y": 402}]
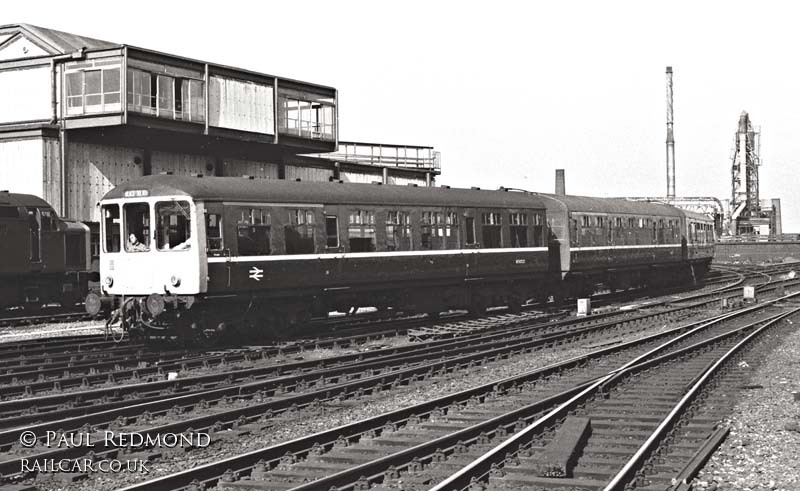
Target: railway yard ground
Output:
[{"x": 696, "y": 386}]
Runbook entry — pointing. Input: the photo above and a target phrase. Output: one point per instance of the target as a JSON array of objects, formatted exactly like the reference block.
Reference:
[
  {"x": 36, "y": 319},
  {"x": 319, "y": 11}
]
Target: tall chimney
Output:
[
  {"x": 560, "y": 186},
  {"x": 670, "y": 140}
]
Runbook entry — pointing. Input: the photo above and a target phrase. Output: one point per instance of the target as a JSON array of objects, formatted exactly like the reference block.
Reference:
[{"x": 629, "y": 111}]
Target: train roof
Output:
[
  {"x": 613, "y": 205},
  {"x": 17, "y": 199},
  {"x": 697, "y": 216},
  {"x": 239, "y": 189}
]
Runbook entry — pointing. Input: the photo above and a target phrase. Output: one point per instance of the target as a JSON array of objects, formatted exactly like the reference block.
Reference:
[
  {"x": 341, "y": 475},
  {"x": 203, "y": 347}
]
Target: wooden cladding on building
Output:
[{"x": 92, "y": 170}]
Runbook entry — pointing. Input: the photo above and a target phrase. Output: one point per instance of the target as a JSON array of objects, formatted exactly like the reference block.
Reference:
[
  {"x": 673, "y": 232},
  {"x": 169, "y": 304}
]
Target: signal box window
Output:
[
  {"x": 491, "y": 230},
  {"x": 470, "y": 225},
  {"x": 331, "y": 231},
  {"x": 518, "y": 225},
  {"x": 213, "y": 232},
  {"x": 300, "y": 234},
  {"x": 111, "y": 228},
  {"x": 93, "y": 91},
  {"x": 137, "y": 227},
  {"x": 361, "y": 231},
  {"x": 253, "y": 232},
  {"x": 451, "y": 230},
  {"x": 398, "y": 231},
  {"x": 174, "y": 225}
]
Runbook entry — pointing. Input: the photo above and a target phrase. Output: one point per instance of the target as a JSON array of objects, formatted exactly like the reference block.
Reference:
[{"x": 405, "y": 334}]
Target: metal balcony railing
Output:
[{"x": 385, "y": 155}]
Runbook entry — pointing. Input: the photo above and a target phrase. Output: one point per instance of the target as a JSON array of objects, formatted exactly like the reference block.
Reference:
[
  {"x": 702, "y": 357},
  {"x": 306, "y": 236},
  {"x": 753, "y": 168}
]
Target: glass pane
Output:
[
  {"x": 332, "y": 231},
  {"x": 173, "y": 228},
  {"x": 137, "y": 227},
  {"x": 214, "y": 232},
  {"x": 111, "y": 228},
  {"x": 74, "y": 83},
  {"x": 111, "y": 80},
  {"x": 166, "y": 88},
  {"x": 92, "y": 82}
]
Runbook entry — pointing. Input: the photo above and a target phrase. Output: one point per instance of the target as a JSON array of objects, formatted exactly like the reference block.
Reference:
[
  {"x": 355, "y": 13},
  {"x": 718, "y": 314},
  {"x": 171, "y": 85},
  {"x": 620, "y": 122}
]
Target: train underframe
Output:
[
  {"x": 35, "y": 290},
  {"x": 207, "y": 320}
]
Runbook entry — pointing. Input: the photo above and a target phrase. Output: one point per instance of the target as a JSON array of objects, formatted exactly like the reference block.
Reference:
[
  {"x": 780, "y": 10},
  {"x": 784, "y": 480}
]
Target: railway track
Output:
[
  {"x": 227, "y": 412},
  {"x": 426, "y": 443},
  {"x": 215, "y": 390}
]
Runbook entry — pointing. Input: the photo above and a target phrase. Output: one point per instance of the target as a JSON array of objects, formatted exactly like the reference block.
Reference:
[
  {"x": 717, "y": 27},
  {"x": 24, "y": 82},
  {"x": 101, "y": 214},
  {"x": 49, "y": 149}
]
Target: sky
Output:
[{"x": 510, "y": 91}]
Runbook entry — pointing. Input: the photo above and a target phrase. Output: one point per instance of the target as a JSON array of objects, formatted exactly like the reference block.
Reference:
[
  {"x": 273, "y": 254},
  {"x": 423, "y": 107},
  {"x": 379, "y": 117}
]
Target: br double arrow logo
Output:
[{"x": 256, "y": 274}]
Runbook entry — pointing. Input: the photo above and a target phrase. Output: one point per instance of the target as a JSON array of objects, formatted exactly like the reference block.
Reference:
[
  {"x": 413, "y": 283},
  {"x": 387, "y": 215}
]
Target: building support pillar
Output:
[{"x": 63, "y": 141}]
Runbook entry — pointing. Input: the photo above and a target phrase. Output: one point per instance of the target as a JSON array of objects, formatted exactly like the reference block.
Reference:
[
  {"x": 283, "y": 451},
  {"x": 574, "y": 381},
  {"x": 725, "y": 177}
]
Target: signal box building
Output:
[{"x": 79, "y": 116}]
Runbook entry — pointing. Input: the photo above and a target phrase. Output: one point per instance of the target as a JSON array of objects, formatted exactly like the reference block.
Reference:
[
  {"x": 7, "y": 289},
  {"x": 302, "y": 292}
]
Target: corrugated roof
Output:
[
  {"x": 63, "y": 42},
  {"x": 238, "y": 189}
]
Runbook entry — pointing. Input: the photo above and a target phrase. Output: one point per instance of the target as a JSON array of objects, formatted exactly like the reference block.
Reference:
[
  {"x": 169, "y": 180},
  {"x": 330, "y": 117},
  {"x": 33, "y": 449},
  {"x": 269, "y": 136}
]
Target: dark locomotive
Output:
[
  {"x": 44, "y": 258},
  {"x": 197, "y": 257}
]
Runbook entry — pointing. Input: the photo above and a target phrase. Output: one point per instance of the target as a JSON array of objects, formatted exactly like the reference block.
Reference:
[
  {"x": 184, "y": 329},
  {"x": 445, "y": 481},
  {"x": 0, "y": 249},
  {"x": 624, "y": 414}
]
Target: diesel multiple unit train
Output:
[
  {"x": 197, "y": 257},
  {"x": 44, "y": 259}
]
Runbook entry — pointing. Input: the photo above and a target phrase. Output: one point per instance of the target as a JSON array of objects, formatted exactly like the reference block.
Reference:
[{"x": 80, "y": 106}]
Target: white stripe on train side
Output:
[
  {"x": 602, "y": 248},
  {"x": 346, "y": 255}
]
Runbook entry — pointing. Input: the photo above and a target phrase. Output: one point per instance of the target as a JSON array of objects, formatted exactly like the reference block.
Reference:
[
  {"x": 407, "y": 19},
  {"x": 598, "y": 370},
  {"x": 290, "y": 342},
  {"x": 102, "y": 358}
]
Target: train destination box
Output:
[
  {"x": 584, "y": 307},
  {"x": 749, "y": 293}
]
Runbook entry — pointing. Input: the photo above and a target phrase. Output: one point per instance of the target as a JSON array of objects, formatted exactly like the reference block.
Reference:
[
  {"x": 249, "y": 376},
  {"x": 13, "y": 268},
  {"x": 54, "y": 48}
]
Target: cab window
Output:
[
  {"x": 137, "y": 227},
  {"x": 173, "y": 227},
  {"x": 111, "y": 228}
]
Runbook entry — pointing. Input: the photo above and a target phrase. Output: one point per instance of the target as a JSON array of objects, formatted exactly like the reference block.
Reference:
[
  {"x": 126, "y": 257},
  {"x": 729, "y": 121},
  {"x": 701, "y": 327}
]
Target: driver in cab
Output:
[{"x": 134, "y": 245}]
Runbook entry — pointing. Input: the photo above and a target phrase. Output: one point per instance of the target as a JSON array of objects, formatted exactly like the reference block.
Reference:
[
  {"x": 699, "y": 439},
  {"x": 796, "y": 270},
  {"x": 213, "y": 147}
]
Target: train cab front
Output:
[{"x": 150, "y": 262}]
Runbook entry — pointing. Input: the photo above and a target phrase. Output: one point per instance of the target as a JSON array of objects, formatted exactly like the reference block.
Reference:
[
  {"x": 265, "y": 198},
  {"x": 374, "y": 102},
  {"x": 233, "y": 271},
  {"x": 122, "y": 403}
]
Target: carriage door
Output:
[
  {"x": 35, "y": 223},
  {"x": 218, "y": 241}
]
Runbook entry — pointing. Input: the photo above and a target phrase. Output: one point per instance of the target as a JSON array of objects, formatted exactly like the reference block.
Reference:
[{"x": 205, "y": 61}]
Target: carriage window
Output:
[
  {"x": 111, "y": 228},
  {"x": 398, "y": 231},
  {"x": 253, "y": 232},
  {"x": 137, "y": 227},
  {"x": 491, "y": 230},
  {"x": 470, "y": 225},
  {"x": 518, "y": 224},
  {"x": 173, "y": 229},
  {"x": 451, "y": 230},
  {"x": 213, "y": 232},
  {"x": 300, "y": 234},
  {"x": 431, "y": 230},
  {"x": 331, "y": 231},
  {"x": 538, "y": 231},
  {"x": 361, "y": 231}
]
